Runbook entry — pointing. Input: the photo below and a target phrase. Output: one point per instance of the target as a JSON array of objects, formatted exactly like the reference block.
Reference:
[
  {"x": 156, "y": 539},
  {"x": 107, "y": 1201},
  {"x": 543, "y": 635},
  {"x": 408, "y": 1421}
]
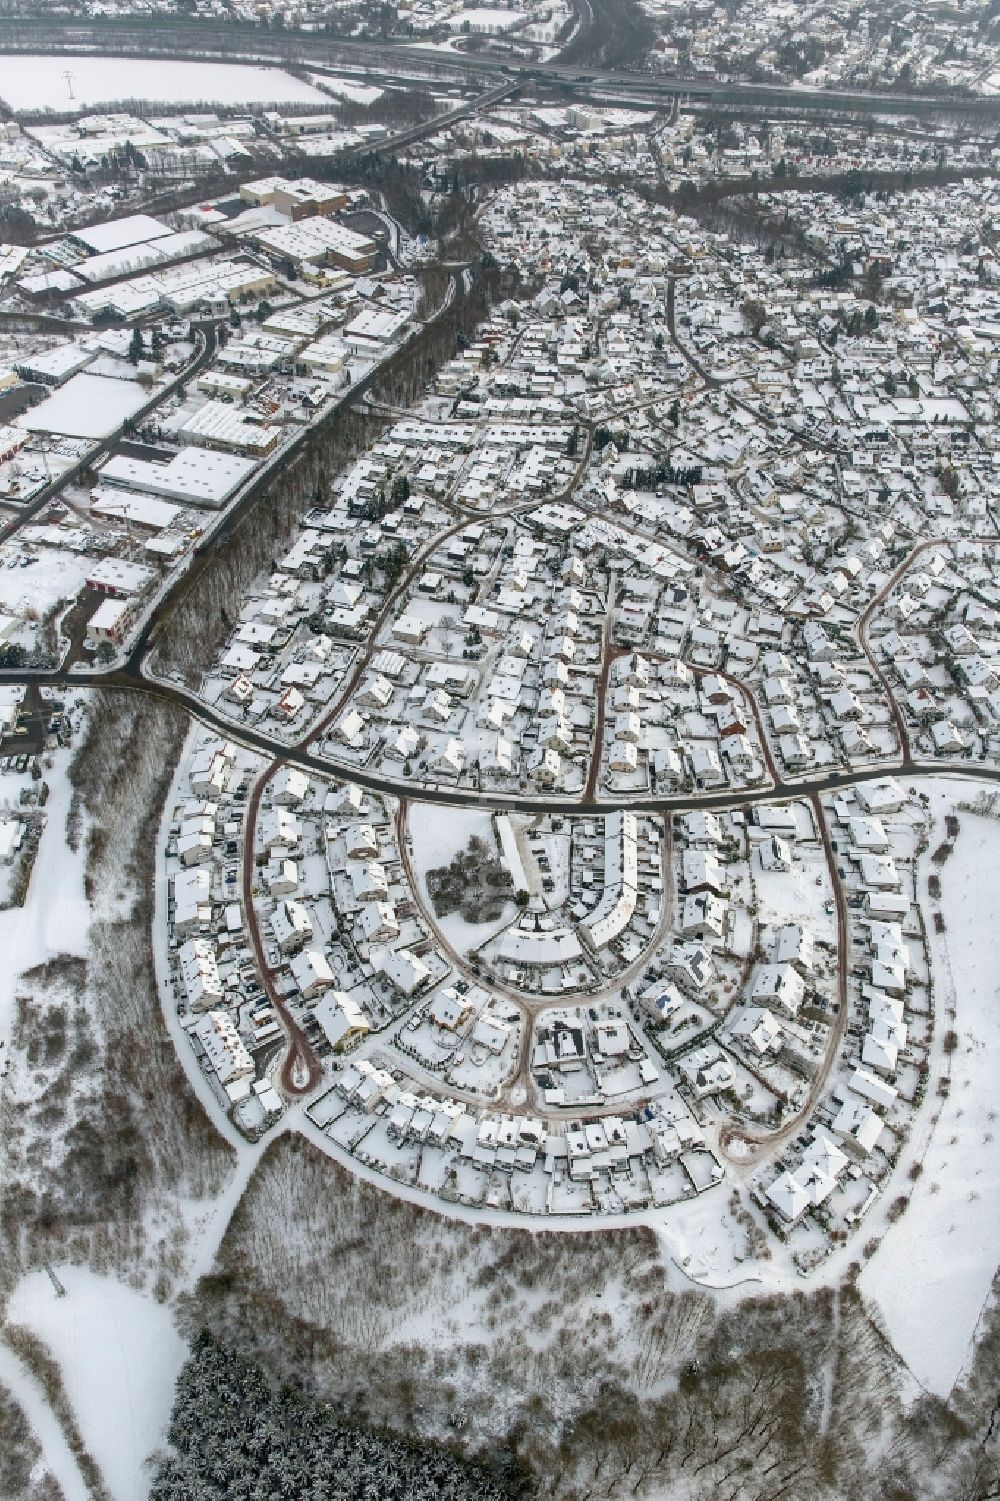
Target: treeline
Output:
[
  {"x": 400, "y": 184},
  {"x": 22, "y": 1472},
  {"x": 16, "y": 225},
  {"x": 619, "y": 36},
  {"x": 405, "y": 375},
  {"x": 234, "y": 1437},
  {"x": 110, "y": 1134},
  {"x": 664, "y": 473},
  {"x": 404, "y": 187},
  {"x": 150, "y": 109},
  {"x": 580, "y": 1353},
  {"x": 45, "y": 1369},
  {"x": 197, "y": 624},
  {"x": 848, "y": 185},
  {"x": 395, "y": 108},
  {"x": 648, "y": 476}
]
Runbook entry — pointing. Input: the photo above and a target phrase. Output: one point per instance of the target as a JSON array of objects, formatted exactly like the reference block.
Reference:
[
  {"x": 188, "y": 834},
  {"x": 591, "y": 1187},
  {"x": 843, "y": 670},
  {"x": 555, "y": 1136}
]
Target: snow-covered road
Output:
[
  {"x": 56, "y": 1451},
  {"x": 119, "y": 1355}
]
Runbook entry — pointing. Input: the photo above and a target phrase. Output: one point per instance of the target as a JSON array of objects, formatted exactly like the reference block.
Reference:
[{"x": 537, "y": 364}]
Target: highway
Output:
[{"x": 236, "y": 41}]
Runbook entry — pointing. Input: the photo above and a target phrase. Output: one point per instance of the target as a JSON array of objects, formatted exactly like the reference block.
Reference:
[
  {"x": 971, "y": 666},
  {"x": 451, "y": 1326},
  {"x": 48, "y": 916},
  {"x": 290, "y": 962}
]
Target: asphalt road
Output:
[
  {"x": 234, "y": 41},
  {"x": 131, "y": 679},
  {"x": 301, "y": 1070},
  {"x": 32, "y": 508}
]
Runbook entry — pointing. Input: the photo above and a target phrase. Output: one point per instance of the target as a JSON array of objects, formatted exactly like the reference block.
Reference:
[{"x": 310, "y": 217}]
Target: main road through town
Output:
[
  {"x": 130, "y": 678},
  {"x": 235, "y": 41},
  {"x": 301, "y": 1071}
]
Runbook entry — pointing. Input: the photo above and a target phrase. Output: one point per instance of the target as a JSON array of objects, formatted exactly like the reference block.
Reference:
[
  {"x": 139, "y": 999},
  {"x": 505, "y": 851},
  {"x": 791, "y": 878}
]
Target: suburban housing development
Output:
[{"x": 499, "y": 732}]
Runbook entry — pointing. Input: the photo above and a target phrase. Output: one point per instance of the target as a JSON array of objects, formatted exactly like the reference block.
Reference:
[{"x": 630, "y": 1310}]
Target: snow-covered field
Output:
[
  {"x": 55, "y": 918},
  {"x": 701, "y": 1239},
  {"x": 55, "y": 575},
  {"x": 87, "y": 406},
  {"x": 105, "y": 80},
  {"x": 933, "y": 1271},
  {"x": 439, "y": 833},
  {"x": 119, "y": 1354},
  {"x": 358, "y": 93}
]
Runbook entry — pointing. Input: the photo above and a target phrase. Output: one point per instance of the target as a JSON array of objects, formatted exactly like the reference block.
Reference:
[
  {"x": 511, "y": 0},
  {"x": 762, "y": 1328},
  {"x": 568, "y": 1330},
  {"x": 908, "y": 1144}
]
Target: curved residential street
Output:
[{"x": 301, "y": 1070}]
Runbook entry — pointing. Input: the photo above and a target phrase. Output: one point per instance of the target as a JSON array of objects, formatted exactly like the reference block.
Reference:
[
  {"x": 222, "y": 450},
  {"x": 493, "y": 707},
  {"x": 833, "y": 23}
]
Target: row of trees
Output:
[
  {"x": 612, "y": 34},
  {"x": 664, "y": 473}
]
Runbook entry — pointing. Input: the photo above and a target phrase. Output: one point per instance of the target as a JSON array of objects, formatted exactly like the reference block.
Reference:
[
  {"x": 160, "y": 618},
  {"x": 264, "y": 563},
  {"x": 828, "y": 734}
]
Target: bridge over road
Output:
[{"x": 242, "y": 42}]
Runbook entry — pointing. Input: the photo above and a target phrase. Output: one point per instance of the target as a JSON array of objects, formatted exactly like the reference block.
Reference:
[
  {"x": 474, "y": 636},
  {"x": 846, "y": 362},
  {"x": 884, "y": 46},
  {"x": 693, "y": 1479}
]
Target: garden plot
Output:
[
  {"x": 484, "y": 1064},
  {"x": 687, "y": 1023},
  {"x": 438, "y": 835},
  {"x": 798, "y": 895}
]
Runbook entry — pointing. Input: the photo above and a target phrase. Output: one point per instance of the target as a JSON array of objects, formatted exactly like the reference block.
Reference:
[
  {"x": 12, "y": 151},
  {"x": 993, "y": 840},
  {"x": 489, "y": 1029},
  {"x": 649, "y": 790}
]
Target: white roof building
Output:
[
  {"x": 858, "y": 1127},
  {"x": 759, "y": 1031},
  {"x": 361, "y": 842},
  {"x": 224, "y": 1048},
  {"x": 491, "y": 1033},
  {"x": 200, "y": 974},
  {"x": 870, "y": 1087},
  {"x": 779, "y": 985},
  {"x": 405, "y": 970},
  {"x": 291, "y": 925},
  {"x": 195, "y": 476},
  {"x": 794, "y": 944},
  {"x": 368, "y": 880},
  {"x": 290, "y": 787},
  {"x": 341, "y": 1019},
  {"x": 378, "y": 922},
  {"x": 311, "y": 972},
  {"x": 448, "y": 1009},
  {"x": 617, "y": 905},
  {"x": 192, "y": 900},
  {"x": 218, "y": 424},
  {"x": 789, "y": 1197}
]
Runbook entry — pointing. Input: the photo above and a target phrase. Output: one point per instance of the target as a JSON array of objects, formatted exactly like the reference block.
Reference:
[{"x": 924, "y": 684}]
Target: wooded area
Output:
[{"x": 585, "y": 1355}]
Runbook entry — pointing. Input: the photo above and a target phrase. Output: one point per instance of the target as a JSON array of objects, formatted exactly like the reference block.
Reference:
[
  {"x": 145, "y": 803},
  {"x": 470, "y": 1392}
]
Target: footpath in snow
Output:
[
  {"x": 119, "y": 1354},
  {"x": 56, "y": 1452}
]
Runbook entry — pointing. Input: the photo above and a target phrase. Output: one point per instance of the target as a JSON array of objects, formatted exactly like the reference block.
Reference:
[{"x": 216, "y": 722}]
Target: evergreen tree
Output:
[{"x": 232, "y": 1438}]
